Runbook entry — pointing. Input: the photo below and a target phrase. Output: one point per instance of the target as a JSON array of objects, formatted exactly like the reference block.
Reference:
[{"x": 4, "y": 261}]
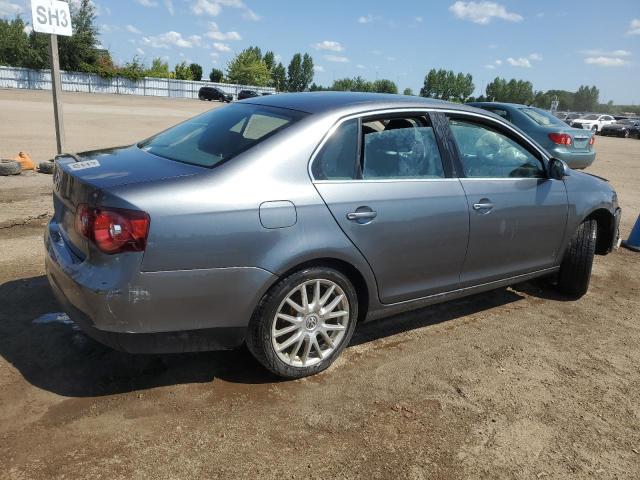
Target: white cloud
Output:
[
  {"x": 170, "y": 7},
  {"x": 214, "y": 33},
  {"x": 365, "y": 18},
  {"x": 27, "y": 29},
  {"x": 214, "y": 7},
  {"x": 391, "y": 59},
  {"x": 171, "y": 39},
  {"x": 482, "y": 12},
  {"x": 206, "y": 7},
  {"x": 606, "y": 61},
  {"x": 139, "y": 51},
  {"x": 328, "y": 45},
  {"x": 336, "y": 58},
  {"x": 634, "y": 27},
  {"x": 132, "y": 29},
  {"x": 360, "y": 66},
  {"x": 8, "y": 8},
  {"x": 535, "y": 56},
  {"x": 490, "y": 66},
  {"x": 250, "y": 15},
  {"x": 419, "y": 19},
  {"x": 498, "y": 62},
  {"x": 519, "y": 62},
  {"x": 377, "y": 52},
  {"x": 147, "y": 3},
  {"x": 221, "y": 47},
  {"x": 318, "y": 68},
  {"x": 615, "y": 53}
]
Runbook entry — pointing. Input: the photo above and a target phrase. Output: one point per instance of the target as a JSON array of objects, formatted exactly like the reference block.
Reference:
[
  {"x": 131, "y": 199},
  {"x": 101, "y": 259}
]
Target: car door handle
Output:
[
  {"x": 483, "y": 206},
  {"x": 361, "y": 215}
]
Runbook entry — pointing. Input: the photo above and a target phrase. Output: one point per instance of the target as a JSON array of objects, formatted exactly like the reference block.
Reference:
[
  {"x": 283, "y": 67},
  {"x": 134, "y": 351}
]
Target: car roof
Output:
[{"x": 327, "y": 102}]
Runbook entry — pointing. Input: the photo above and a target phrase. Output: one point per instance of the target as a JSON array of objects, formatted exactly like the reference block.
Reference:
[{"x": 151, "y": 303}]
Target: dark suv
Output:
[
  {"x": 247, "y": 94},
  {"x": 214, "y": 93}
]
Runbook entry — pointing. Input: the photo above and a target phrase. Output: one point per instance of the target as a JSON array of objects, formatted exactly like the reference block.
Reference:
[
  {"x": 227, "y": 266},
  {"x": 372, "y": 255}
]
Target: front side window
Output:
[
  {"x": 400, "y": 148},
  {"x": 487, "y": 153},
  {"x": 219, "y": 135}
]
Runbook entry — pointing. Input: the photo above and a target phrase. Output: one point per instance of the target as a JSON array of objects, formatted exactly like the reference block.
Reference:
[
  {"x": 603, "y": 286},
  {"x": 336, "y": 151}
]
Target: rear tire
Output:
[
  {"x": 575, "y": 269},
  {"x": 301, "y": 340}
]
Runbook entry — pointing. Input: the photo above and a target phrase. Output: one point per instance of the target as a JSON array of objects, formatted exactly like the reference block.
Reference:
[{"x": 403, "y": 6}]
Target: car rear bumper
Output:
[
  {"x": 153, "y": 312},
  {"x": 576, "y": 160}
]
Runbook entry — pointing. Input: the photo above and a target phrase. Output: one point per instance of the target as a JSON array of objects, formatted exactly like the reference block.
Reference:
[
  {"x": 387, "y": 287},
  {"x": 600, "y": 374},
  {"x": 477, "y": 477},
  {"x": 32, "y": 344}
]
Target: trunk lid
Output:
[{"x": 87, "y": 177}]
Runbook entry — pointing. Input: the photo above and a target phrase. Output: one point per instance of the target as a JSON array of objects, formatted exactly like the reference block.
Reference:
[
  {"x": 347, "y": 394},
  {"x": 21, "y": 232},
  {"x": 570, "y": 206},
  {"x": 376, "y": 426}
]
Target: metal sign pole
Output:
[{"x": 56, "y": 88}]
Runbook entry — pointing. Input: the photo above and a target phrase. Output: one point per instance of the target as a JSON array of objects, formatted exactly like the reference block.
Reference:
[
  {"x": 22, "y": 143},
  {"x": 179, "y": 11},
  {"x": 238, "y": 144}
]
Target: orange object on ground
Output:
[{"x": 25, "y": 161}]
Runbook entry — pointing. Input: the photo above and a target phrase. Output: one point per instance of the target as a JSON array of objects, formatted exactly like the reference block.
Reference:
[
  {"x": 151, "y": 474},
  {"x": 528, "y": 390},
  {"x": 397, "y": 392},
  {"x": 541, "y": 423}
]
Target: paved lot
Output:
[{"x": 516, "y": 383}]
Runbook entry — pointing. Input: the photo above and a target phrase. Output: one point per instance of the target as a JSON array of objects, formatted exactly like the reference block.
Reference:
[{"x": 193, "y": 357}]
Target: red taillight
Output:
[
  {"x": 560, "y": 138},
  {"x": 113, "y": 230},
  {"x": 592, "y": 140}
]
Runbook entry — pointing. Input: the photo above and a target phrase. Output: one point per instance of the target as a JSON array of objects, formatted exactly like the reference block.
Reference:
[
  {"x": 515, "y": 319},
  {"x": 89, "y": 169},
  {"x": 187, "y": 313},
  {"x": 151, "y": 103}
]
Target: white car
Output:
[{"x": 593, "y": 121}]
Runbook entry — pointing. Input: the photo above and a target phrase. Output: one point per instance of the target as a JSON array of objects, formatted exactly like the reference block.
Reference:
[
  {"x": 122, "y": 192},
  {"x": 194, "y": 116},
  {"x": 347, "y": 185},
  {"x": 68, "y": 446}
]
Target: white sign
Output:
[{"x": 51, "y": 16}]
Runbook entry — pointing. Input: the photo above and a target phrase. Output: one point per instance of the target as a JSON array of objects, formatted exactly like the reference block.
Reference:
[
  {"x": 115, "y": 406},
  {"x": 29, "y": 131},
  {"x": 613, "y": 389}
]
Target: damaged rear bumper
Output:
[{"x": 154, "y": 312}]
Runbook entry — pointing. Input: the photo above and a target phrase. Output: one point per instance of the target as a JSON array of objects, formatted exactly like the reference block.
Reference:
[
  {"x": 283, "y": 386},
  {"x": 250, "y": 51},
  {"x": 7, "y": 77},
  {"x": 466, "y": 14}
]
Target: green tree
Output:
[
  {"x": 279, "y": 78},
  {"x": 269, "y": 60},
  {"x": 80, "y": 52},
  {"x": 196, "y": 72},
  {"x": 183, "y": 72},
  {"x": 307, "y": 72},
  {"x": 294, "y": 74},
  {"x": 586, "y": 99},
  {"x": 14, "y": 43},
  {"x": 248, "y": 68},
  {"x": 384, "y": 86},
  {"x": 407, "y": 91},
  {"x": 513, "y": 91},
  {"x": 133, "y": 70},
  {"x": 158, "y": 69},
  {"x": 216, "y": 75},
  {"x": 356, "y": 84},
  {"x": 447, "y": 85}
]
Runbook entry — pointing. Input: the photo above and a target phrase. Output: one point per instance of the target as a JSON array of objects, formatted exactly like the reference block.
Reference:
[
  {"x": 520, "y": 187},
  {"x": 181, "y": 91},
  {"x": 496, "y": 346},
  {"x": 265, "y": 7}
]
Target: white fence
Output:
[{"x": 13, "y": 77}]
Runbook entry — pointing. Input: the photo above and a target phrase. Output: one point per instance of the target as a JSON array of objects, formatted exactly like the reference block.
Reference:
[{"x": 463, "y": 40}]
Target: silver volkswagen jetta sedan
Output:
[{"x": 283, "y": 221}]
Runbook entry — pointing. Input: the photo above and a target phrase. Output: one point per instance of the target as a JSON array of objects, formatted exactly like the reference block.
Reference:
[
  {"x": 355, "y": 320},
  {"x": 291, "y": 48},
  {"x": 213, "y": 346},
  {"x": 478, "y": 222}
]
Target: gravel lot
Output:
[{"x": 516, "y": 383}]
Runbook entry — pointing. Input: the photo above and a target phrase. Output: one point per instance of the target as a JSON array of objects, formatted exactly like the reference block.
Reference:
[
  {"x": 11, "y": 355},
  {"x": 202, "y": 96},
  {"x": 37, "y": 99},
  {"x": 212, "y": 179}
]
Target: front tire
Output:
[
  {"x": 575, "y": 269},
  {"x": 304, "y": 322}
]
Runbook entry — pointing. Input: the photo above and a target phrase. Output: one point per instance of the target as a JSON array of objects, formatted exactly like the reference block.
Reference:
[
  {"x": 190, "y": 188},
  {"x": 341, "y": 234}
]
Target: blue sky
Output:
[{"x": 553, "y": 43}]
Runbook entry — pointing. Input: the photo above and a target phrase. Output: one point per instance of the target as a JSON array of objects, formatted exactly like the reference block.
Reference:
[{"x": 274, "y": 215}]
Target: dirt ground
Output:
[{"x": 516, "y": 383}]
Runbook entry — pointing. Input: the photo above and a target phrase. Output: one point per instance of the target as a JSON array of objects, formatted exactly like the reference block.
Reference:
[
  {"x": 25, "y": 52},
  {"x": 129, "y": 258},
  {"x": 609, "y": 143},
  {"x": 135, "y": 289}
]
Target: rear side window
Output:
[
  {"x": 400, "y": 148},
  {"x": 337, "y": 159},
  {"x": 219, "y": 135}
]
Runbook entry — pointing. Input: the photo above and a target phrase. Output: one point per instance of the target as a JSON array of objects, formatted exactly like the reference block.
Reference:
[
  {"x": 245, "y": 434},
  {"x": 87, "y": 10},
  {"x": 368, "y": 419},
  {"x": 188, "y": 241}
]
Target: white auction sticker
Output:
[{"x": 84, "y": 165}]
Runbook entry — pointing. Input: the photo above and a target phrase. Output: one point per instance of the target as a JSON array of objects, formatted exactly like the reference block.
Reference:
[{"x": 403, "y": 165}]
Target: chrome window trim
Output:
[{"x": 360, "y": 115}]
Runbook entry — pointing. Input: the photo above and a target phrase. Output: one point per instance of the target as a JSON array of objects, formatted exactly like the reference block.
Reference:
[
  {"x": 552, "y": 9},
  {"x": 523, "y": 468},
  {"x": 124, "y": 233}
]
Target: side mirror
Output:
[{"x": 558, "y": 170}]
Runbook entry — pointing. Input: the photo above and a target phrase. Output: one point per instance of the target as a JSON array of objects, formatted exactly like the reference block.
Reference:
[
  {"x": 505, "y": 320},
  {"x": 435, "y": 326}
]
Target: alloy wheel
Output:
[{"x": 310, "y": 323}]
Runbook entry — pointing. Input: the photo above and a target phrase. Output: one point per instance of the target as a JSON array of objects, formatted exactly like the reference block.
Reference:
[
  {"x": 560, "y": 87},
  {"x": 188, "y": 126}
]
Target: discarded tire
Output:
[
  {"x": 9, "y": 167},
  {"x": 46, "y": 167}
]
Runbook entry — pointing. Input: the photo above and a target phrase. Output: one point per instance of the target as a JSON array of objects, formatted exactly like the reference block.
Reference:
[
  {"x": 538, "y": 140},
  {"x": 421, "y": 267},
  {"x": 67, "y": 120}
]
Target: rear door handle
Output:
[{"x": 361, "y": 215}]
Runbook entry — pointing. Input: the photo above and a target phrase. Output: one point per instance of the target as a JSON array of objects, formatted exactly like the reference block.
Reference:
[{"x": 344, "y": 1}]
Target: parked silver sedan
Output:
[{"x": 284, "y": 221}]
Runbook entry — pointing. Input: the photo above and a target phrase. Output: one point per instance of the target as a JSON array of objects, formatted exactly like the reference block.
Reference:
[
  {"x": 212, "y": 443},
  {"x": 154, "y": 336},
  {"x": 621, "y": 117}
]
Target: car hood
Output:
[
  {"x": 582, "y": 120},
  {"x": 123, "y": 166}
]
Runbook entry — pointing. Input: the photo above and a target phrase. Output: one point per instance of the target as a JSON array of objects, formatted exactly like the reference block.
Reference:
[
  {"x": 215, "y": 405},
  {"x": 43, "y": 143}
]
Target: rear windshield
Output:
[
  {"x": 219, "y": 135},
  {"x": 542, "y": 118}
]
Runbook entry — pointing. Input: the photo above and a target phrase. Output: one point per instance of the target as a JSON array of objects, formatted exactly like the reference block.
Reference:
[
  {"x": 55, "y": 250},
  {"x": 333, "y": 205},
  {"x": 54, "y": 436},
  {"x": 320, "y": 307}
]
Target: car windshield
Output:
[
  {"x": 220, "y": 134},
  {"x": 542, "y": 118},
  {"x": 627, "y": 121},
  {"x": 590, "y": 117}
]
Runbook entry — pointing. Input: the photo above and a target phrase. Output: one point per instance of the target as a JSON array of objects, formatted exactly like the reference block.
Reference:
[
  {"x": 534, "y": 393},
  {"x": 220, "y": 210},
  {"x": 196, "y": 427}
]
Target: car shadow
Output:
[{"x": 52, "y": 354}]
